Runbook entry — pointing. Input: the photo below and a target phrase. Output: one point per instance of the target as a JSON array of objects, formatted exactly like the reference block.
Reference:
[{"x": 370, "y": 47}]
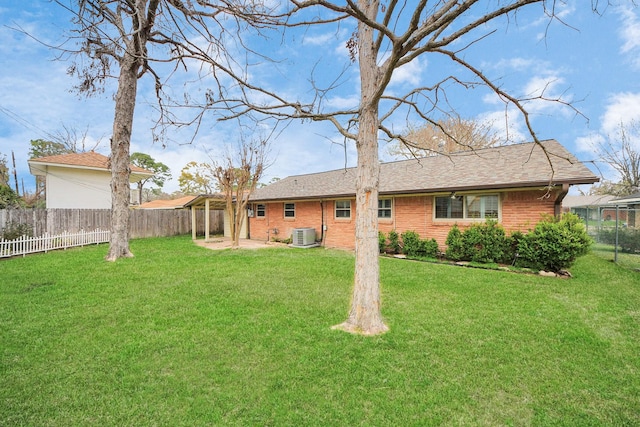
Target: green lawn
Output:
[
  {"x": 184, "y": 336},
  {"x": 626, "y": 260}
]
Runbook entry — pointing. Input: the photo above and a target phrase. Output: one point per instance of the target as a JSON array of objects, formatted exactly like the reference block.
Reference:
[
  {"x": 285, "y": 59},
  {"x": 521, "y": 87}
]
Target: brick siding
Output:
[{"x": 520, "y": 210}]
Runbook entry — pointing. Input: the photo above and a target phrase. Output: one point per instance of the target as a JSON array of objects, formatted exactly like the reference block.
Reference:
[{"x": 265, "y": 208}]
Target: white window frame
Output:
[
  {"x": 345, "y": 209},
  {"x": 291, "y": 209},
  {"x": 261, "y": 208},
  {"x": 384, "y": 208}
]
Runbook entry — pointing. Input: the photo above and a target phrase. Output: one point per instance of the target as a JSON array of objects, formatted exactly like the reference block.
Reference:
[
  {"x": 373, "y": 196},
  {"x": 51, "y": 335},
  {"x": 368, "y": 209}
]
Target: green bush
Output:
[
  {"x": 628, "y": 238},
  {"x": 415, "y": 247},
  {"x": 9, "y": 198},
  {"x": 382, "y": 242},
  {"x": 484, "y": 243},
  {"x": 431, "y": 248},
  {"x": 511, "y": 247},
  {"x": 14, "y": 230},
  {"x": 394, "y": 242},
  {"x": 554, "y": 245},
  {"x": 455, "y": 247}
]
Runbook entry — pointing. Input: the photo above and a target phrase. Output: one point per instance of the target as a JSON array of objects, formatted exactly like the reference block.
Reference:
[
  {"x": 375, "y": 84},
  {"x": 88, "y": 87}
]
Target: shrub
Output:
[
  {"x": 415, "y": 247},
  {"x": 455, "y": 249},
  {"x": 484, "y": 242},
  {"x": 394, "y": 242},
  {"x": 14, "y": 230},
  {"x": 431, "y": 248},
  {"x": 511, "y": 247},
  {"x": 554, "y": 245},
  {"x": 382, "y": 242},
  {"x": 411, "y": 244},
  {"x": 479, "y": 243},
  {"x": 628, "y": 239}
]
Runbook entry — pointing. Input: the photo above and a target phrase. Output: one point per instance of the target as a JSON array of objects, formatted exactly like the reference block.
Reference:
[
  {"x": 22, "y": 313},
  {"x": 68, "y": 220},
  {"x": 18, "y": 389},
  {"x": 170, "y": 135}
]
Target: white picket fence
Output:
[{"x": 28, "y": 245}]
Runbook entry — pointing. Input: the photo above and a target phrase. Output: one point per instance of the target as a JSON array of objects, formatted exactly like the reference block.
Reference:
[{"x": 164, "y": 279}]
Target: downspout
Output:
[
  {"x": 249, "y": 220},
  {"x": 557, "y": 209},
  {"x": 322, "y": 225}
]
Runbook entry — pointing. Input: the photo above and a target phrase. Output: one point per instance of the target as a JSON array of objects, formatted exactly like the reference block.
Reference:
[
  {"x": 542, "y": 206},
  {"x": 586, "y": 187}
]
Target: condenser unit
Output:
[{"x": 303, "y": 237}]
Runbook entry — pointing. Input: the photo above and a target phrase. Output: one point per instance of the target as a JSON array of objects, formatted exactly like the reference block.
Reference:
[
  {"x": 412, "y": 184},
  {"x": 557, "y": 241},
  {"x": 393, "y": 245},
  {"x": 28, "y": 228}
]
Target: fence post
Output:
[{"x": 615, "y": 251}]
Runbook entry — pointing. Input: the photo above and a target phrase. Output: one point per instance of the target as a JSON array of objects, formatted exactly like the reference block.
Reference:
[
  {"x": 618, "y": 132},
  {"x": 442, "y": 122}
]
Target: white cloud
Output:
[
  {"x": 622, "y": 108},
  {"x": 320, "y": 39},
  {"x": 630, "y": 33},
  {"x": 343, "y": 102},
  {"x": 410, "y": 74},
  {"x": 517, "y": 64},
  {"x": 508, "y": 124},
  {"x": 586, "y": 143}
]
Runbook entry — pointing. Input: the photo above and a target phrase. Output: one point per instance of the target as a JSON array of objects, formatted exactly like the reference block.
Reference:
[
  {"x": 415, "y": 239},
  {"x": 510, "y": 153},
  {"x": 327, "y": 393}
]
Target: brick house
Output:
[{"x": 514, "y": 184}]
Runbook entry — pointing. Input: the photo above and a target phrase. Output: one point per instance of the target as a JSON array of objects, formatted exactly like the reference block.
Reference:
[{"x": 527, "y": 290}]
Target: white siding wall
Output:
[
  {"x": 78, "y": 189},
  {"x": 227, "y": 226}
]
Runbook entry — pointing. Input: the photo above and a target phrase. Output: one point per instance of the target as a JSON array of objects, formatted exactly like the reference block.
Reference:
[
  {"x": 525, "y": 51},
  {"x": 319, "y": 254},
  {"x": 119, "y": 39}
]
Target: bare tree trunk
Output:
[
  {"x": 120, "y": 162},
  {"x": 365, "y": 316}
]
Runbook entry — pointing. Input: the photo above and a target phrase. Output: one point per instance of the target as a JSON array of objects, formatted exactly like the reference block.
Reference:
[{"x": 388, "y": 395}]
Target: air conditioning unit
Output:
[{"x": 303, "y": 236}]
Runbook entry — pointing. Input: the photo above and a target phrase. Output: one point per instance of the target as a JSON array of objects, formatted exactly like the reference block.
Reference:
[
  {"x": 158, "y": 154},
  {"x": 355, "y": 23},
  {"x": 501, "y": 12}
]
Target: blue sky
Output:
[{"x": 593, "y": 61}]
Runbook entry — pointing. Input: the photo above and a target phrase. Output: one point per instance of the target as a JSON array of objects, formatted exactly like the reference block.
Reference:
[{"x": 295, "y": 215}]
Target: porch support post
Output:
[
  {"x": 206, "y": 220},
  {"x": 194, "y": 223}
]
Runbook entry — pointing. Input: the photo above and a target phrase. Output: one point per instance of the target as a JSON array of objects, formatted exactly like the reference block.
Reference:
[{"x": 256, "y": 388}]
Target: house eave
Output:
[
  {"x": 40, "y": 169},
  {"x": 527, "y": 186}
]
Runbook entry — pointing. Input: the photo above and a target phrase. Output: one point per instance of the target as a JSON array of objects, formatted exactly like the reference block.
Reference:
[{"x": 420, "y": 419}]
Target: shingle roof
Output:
[
  {"x": 591, "y": 200},
  {"x": 87, "y": 160},
  {"x": 509, "y": 166}
]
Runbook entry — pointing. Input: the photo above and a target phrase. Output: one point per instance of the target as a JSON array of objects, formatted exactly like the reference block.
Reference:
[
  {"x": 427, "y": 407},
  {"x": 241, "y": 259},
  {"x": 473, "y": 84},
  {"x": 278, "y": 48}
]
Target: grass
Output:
[
  {"x": 626, "y": 260},
  {"x": 184, "y": 336}
]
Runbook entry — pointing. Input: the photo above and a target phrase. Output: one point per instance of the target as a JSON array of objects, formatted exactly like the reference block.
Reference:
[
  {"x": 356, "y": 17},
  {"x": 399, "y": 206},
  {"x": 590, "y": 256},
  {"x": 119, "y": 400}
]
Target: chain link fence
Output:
[{"x": 615, "y": 230}]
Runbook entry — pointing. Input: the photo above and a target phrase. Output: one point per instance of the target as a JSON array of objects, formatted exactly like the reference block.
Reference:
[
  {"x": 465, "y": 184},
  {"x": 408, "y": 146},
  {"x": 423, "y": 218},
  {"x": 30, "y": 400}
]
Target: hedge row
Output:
[
  {"x": 628, "y": 238},
  {"x": 553, "y": 245}
]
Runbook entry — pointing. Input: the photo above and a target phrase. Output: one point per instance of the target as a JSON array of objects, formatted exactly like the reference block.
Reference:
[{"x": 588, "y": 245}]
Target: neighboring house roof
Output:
[
  {"x": 580, "y": 201},
  {"x": 509, "y": 166},
  {"x": 89, "y": 160},
  {"x": 167, "y": 204},
  {"x": 632, "y": 199}
]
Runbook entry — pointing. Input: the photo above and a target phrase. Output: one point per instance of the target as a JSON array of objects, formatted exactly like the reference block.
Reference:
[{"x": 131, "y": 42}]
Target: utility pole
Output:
[{"x": 15, "y": 172}]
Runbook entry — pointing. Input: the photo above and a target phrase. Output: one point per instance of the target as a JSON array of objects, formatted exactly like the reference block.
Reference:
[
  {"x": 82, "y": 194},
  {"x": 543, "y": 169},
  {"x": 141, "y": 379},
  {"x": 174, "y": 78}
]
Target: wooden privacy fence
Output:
[
  {"x": 28, "y": 245},
  {"x": 143, "y": 222}
]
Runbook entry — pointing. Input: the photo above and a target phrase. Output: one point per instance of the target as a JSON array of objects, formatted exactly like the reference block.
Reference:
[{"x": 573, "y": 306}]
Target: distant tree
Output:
[
  {"x": 8, "y": 197},
  {"x": 64, "y": 141},
  {"x": 4, "y": 170},
  {"x": 607, "y": 187},
  {"x": 445, "y": 136},
  {"x": 622, "y": 153},
  {"x": 44, "y": 148},
  {"x": 197, "y": 178},
  {"x": 161, "y": 172},
  {"x": 237, "y": 177},
  {"x": 131, "y": 39}
]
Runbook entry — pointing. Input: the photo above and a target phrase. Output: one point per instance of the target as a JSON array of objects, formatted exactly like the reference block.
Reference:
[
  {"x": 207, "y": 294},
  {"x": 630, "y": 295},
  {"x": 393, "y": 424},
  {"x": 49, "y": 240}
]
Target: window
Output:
[
  {"x": 384, "y": 208},
  {"x": 448, "y": 207},
  {"x": 467, "y": 207},
  {"x": 481, "y": 206},
  {"x": 260, "y": 210},
  {"x": 343, "y": 208},
  {"x": 289, "y": 210}
]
